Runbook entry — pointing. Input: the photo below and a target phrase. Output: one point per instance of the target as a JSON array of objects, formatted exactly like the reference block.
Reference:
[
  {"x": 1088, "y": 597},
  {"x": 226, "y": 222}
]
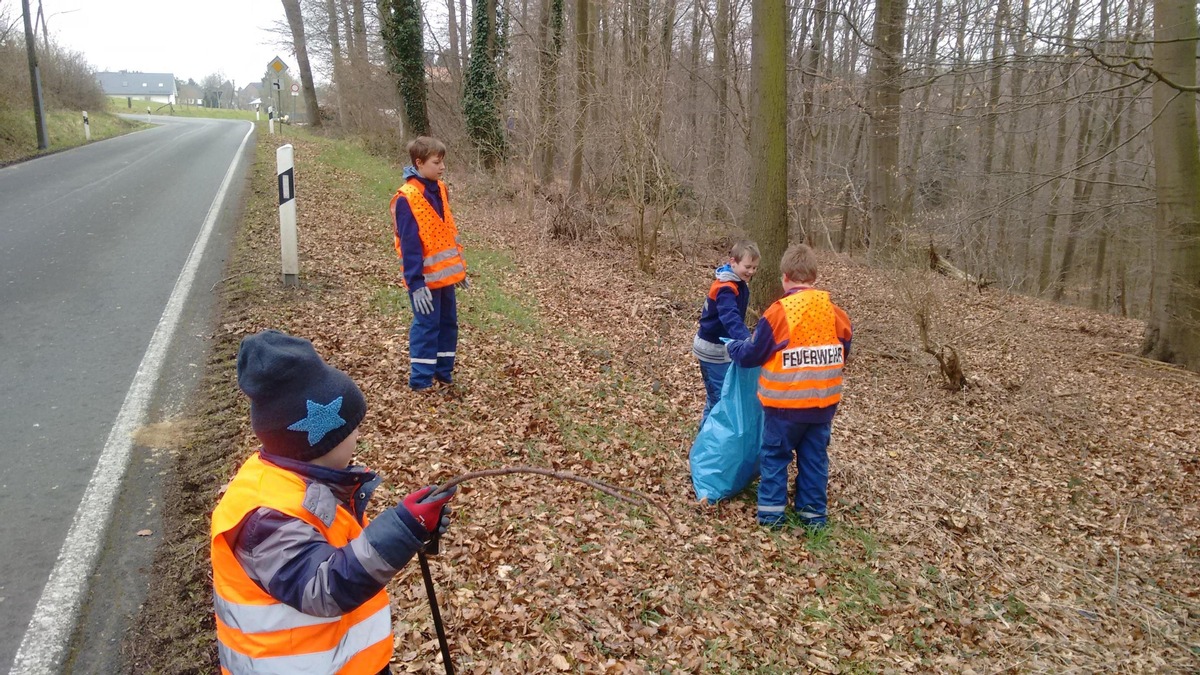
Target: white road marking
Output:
[{"x": 44, "y": 646}]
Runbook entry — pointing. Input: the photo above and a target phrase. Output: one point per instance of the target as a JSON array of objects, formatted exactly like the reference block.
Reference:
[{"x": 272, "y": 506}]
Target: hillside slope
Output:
[{"x": 1043, "y": 519}]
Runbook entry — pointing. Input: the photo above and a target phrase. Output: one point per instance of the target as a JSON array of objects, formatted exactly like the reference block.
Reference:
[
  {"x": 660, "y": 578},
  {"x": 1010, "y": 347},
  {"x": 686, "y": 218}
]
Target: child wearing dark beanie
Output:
[{"x": 299, "y": 574}]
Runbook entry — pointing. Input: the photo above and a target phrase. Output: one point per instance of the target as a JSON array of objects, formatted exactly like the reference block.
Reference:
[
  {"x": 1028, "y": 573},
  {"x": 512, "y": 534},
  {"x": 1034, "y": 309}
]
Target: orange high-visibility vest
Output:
[
  {"x": 718, "y": 285},
  {"x": 442, "y": 254},
  {"x": 807, "y": 372},
  {"x": 256, "y": 633}
]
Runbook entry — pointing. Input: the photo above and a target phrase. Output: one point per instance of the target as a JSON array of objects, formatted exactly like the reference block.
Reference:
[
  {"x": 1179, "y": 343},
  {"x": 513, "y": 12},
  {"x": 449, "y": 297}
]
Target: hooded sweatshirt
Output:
[{"x": 723, "y": 316}]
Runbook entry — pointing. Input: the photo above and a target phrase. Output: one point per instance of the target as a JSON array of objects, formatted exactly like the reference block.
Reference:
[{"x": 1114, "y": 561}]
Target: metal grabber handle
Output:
[{"x": 432, "y": 549}]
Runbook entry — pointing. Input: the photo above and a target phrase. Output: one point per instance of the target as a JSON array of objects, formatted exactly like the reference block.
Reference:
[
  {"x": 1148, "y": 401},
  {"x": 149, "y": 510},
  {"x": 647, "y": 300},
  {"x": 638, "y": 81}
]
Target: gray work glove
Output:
[
  {"x": 464, "y": 284},
  {"x": 422, "y": 300}
]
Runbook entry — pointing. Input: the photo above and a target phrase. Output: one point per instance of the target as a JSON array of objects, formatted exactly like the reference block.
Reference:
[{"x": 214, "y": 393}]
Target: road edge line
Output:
[{"x": 52, "y": 626}]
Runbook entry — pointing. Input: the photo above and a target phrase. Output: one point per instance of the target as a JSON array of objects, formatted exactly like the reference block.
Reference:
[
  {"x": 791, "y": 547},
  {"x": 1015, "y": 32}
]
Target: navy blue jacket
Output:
[{"x": 724, "y": 313}]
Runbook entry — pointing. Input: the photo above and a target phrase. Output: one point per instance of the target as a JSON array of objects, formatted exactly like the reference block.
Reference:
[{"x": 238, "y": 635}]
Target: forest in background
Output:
[{"x": 1010, "y": 143}]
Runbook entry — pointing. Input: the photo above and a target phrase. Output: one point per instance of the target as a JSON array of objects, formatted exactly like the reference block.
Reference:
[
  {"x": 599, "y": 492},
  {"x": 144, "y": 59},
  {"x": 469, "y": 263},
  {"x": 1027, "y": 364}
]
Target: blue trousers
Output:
[
  {"x": 713, "y": 375},
  {"x": 810, "y": 443},
  {"x": 432, "y": 341}
]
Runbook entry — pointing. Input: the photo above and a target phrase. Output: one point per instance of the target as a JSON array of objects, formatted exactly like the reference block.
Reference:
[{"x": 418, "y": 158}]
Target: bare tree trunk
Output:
[
  {"x": 1060, "y": 146},
  {"x": 1080, "y": 196},
  {"x": 291, "y": 8},
  {"x": 720, "y": 134},
  {"x": 351, "y": 37},
  {"x": 335, "y": 48},
  {"x": 1016, "y": 87},
  {"x": 463, "y": 36},
  {"x": 1083, "y": 188},
  {"x": 583, "y": 80},
  {"x": 884, "y": 108},
  {"x": 452, "y": 29},
  {"x": 767, "y": 215},
  {"x": 918, "y": 134},
  {"x": 663, "y": 68},
  {"x": 1173, "y": 331},
  {"x": 694, "y": 83},
  {"x": 1100, "y": 299},
  {"x": 550, "y": 28},
  {"x": 360, "y": 30}
]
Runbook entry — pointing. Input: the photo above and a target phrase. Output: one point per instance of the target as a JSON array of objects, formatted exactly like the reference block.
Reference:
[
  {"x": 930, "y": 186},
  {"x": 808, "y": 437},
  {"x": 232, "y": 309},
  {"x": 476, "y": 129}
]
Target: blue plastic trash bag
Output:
[{"x": 724, "y": 456}]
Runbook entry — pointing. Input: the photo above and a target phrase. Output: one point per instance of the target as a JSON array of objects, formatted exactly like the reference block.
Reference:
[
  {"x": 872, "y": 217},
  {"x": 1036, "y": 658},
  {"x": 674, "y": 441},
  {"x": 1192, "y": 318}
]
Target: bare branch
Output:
[{"x": 614, "y": 491}]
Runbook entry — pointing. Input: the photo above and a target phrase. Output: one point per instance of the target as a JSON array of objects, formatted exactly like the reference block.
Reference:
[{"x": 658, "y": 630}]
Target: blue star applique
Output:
[{"x": 321, "y": 420}]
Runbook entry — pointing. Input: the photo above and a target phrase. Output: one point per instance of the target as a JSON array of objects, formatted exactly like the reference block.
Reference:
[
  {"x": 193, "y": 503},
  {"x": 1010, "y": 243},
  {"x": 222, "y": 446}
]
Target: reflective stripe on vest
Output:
[
  {"x": 442, "y": 262},
  {"x": 258, "y": 634},
  {"x": 807, "y": 372}
]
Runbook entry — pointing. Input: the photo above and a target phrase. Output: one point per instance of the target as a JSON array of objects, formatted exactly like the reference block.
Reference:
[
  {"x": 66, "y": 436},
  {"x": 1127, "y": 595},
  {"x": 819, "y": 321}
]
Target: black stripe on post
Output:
[{"x": 287, "y": 188}]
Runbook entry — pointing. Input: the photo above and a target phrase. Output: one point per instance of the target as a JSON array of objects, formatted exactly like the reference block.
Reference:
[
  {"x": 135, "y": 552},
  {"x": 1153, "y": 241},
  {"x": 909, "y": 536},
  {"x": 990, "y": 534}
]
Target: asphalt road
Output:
[{"x": 102, "y": 303}]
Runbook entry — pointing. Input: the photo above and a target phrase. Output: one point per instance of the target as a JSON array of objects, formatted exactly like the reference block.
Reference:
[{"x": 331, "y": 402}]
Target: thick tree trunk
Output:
[
  {"x": 455, "y": 62},
  {"x": 767, "y": 214},
  {"x": 291, "y": 9},
  {"x": 403, "y": 39},
  {"x": 550, "y": 28},
  {"x": 1173, "y": 331},
  {"x": 884, "y": 147},
  {"x": 720, "y": 134},
  {"x": 583, "y": 79},
  {"x": 360, "y": 30},
  {"x": 335, "y": 55},
  {"x": 1050, "y": 228}
]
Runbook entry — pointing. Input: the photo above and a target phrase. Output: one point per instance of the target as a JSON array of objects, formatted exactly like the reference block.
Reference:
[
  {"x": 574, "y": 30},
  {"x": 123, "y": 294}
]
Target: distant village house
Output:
[{"x": 158, "y": 87}]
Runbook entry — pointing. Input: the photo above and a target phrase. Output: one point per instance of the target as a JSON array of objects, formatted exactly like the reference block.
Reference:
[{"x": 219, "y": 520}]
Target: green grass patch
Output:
[
  {"x": 390, "y": 300},
  {"x": 378, "y": 178},
  {"x": 118, "y": 105},
  {"x": 490, "y": 307},
  {"x": 64, "y": 128}
]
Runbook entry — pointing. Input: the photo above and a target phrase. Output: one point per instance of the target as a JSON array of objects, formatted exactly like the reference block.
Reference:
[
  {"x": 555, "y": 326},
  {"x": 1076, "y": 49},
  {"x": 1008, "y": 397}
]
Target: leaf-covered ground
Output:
[{"x": 1043, "y": 519}]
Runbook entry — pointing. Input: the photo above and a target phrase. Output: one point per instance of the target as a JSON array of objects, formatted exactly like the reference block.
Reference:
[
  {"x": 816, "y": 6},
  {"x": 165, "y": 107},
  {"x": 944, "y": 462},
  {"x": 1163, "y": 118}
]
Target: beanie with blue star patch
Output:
[{"x": 300, "y": 406}]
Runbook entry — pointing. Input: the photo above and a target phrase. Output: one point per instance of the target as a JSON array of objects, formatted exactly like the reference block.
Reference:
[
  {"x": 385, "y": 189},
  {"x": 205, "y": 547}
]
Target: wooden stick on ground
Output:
[{"x": 615, "y": 491}]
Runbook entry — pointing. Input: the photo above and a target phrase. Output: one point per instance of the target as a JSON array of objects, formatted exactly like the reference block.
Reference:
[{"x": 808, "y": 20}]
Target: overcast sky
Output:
[{"x": 190, "y": 38}]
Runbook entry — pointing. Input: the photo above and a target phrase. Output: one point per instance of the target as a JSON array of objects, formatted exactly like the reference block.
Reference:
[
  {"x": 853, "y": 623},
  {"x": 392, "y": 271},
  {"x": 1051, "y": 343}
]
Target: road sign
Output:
[
  {"x": 295, "y": 88},
  {"x": 277, "y": 65}
]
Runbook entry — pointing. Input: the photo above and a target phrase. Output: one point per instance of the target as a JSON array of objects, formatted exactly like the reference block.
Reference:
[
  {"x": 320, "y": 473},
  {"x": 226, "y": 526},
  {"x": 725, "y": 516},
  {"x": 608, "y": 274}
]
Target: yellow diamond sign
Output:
[{"x": 277, "y": 65}]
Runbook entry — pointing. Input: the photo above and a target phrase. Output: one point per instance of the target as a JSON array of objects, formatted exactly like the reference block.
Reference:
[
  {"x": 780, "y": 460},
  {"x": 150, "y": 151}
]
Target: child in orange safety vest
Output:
[
  {"x": 299, "y": 573},
  {"x": 427, "y": 242},
  {"x": 802, "y": 342}
]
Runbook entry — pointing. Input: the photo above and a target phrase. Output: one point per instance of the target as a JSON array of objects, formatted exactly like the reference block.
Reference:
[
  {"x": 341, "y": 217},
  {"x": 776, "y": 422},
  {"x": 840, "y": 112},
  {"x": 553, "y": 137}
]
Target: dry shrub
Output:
[
  {"x": 68, "y": 81},
  {"x": 924, "y": 305}
]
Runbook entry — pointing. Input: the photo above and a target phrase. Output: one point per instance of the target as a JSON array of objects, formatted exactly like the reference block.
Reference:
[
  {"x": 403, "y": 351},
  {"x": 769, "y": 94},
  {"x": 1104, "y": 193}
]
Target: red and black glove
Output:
[{"x": 426, "y": 517}]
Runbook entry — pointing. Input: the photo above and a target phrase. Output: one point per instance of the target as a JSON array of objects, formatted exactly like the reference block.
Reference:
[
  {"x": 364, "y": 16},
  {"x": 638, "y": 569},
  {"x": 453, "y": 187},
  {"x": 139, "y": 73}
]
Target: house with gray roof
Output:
[{"x": 159, "y": 87}]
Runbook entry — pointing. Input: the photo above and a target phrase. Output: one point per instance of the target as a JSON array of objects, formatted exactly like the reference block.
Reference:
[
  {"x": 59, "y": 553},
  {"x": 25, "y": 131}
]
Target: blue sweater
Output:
[
  {"x": 724, "y": 313},
  {"x": 410, "y": 235}
]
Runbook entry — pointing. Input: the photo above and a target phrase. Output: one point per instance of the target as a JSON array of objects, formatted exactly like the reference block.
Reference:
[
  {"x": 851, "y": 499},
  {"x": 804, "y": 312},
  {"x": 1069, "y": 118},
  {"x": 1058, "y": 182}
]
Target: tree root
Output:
[{"x": 615, "y": 491}]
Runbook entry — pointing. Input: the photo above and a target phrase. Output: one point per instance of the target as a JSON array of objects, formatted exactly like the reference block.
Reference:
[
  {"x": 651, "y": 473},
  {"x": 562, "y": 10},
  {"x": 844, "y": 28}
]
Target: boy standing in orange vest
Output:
[
  {"x": 431, "y": 254},
  {"x": 299, "y": 574},
  {"x": 802, "y": 342}
]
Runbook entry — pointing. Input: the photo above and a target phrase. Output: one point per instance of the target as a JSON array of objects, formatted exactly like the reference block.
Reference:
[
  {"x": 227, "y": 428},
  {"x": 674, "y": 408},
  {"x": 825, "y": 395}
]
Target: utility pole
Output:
[{"x": 35, "y": 80}]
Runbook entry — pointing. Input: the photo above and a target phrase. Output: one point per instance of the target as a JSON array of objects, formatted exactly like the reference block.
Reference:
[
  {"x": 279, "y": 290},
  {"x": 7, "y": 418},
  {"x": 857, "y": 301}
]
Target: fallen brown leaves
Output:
[{"x": 1044, "y": 518}]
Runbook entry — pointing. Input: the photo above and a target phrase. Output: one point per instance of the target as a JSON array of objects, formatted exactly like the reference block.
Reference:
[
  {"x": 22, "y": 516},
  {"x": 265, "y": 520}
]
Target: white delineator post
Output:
[
  {"x": 285, "y": 168},
  {"x": 87, "y": 128}
]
